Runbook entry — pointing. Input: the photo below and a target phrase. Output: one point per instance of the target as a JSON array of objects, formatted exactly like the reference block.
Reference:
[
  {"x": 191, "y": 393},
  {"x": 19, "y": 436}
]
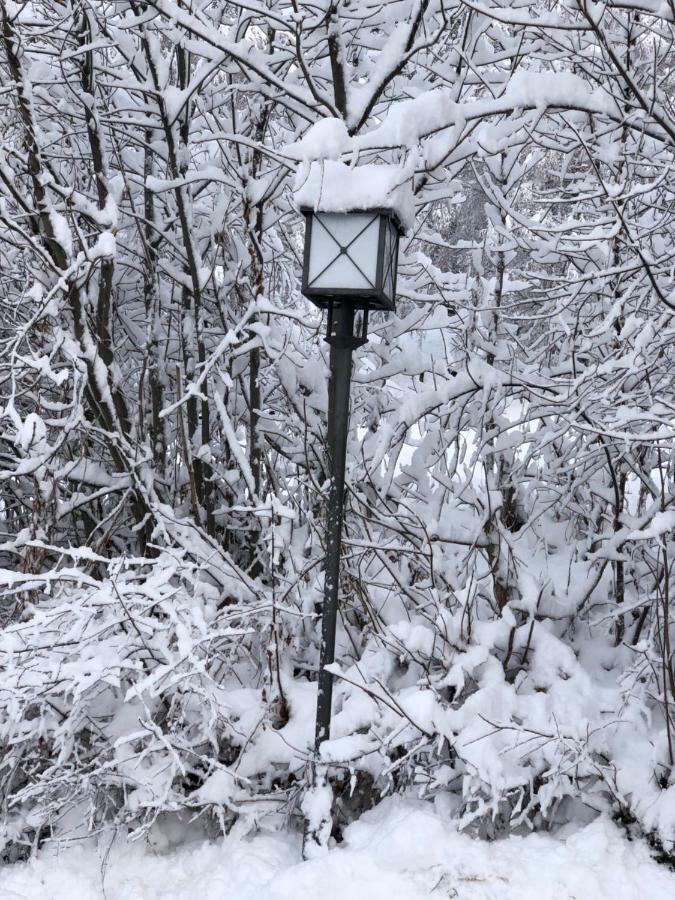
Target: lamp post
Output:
[{"x": 349, "y": 268}]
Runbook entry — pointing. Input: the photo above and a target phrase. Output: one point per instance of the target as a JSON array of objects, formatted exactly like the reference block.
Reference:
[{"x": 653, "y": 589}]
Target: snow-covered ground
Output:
[{"x": 400, "y": 851}]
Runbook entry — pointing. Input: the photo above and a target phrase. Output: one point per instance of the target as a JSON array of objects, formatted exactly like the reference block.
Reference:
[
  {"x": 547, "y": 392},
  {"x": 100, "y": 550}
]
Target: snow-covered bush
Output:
[
  {"x": 150, "y": 692},
  {"x": 134, "y": 696}
]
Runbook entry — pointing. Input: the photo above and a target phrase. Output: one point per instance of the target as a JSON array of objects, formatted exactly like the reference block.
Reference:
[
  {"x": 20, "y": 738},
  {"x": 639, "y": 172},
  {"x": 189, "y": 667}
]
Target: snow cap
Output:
[{"x": 332, "y": 186}]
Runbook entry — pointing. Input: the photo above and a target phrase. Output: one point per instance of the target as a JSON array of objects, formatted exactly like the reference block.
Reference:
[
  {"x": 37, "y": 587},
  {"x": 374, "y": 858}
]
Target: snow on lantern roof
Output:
[{"x": 331, "y": 186}]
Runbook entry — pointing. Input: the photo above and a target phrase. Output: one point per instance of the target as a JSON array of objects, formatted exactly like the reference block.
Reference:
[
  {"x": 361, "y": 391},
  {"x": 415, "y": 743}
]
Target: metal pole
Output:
[
  {"x": 341, "y": 359},
  {"x": 318, "y": 804}
]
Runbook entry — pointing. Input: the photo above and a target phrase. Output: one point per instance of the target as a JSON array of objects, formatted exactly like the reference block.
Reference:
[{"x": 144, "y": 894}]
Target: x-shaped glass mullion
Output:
[{"x": 335, "y": 240}]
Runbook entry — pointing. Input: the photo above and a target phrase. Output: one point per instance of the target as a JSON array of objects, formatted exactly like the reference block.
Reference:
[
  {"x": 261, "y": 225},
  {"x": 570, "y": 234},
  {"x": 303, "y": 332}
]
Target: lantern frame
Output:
[{"x": 365, "y": 298}]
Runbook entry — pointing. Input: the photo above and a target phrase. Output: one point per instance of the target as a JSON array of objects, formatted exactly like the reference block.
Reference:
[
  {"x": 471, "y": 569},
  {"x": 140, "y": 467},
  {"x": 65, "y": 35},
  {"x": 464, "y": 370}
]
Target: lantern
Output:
[{"x": 351, "y": 257}]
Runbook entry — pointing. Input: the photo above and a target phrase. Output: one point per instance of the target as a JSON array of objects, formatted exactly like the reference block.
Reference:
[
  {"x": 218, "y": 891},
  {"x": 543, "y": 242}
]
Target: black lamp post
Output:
[{"x": 350, "y": 266}]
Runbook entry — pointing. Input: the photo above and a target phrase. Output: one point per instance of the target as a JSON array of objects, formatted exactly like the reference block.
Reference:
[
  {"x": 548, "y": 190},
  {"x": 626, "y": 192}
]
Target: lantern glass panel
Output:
[
  {"x": 344, "y": 251},
  {"x": 390, "y": 260}
]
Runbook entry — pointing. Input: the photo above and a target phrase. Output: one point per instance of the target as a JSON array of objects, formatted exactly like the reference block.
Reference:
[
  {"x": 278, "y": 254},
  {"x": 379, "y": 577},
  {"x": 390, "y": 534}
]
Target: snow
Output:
[
  {"x": 662, "y": 523},
  {"x": 332, "y": 186},
  {"x": 401, "y": 850},
  {"x": 105, "y": 246},
  {"x": 61, "y": 231},
  {"x": 386, "y": 60},
  {"x": 326, "y": 139},
  {"x": 32, "y": 434}
]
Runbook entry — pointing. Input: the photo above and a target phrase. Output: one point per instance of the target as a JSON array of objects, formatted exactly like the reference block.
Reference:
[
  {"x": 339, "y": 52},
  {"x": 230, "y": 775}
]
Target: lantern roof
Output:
[{"x": 330, "y": 186}]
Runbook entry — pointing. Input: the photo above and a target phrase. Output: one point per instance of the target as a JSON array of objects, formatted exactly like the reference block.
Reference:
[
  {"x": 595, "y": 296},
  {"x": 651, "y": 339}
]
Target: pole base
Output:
[{"x": 317, "y": 805}]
